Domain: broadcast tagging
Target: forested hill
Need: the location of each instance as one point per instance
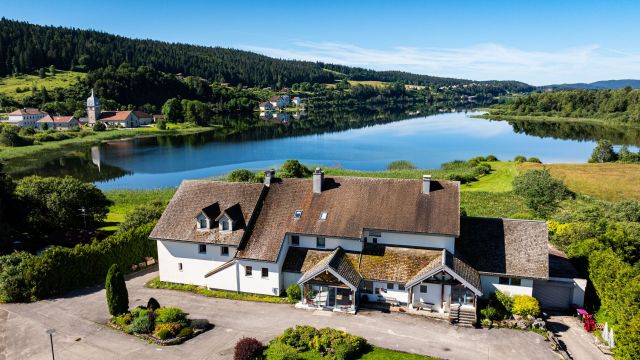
(25, 48)
(598, 85)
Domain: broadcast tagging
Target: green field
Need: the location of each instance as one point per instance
(124, 201)
(62, 79)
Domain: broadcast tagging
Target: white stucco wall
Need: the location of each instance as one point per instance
(395, 293)
(255, 283)
(492, 283)
(433, 295)
(194, 264)
(417, 240)
(330, 243)
(289, 278)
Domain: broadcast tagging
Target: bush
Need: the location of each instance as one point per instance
(27, 131)
(490, 313)
(161, 124)
(248, 349)
(163, 334)
(504, 300)
(492, 158)
(116, 288)
(520, 159)
(525, 305)
(325, 341)
(299, 337)
(201, 324)
(603, 152)
(185, 332)
(141, 325)
(59, 269)
(139, 311)
(534, 160)
(171, 314)
(294, 169)
(293, 293)
(153, 304)
(123, 320)
(99, 126)
(281, 351)
(541, 192)
(241, 175)
(14, 281)
(142, 214)
(400, 165)
(482, 169)
(172, 328)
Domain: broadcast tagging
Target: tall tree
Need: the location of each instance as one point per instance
(117, 294)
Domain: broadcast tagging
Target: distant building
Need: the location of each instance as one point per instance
(265, 106)
(143, 117)
(280, 100)
(297, 101)
(26, 117)
(157, 117)
(127, 119)
(59, 122)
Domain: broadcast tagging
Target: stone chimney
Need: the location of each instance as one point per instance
(318, 179)
(426, 184)
(268, 176)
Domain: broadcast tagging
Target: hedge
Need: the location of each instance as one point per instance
(59, 269)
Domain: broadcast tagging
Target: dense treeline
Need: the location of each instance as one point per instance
(620, 105)
(25, 48)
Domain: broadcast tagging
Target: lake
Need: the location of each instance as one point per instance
(371, 144)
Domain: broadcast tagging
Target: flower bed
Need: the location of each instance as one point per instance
(163, 325)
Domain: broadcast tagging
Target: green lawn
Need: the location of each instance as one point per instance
(62, 79)
(498, 181)
(126, 200)
(155, 283)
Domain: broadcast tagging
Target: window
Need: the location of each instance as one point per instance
(202, 248)
(375, 233)
(375, 241)
(423, 289)
(295, 240)
(225, 224)
(515, 281)
(320, 242)
(510, 281)
(401, 287)
(224, 250)
(365, 239)
(368, 286)
(390, 286)
(179, 266)
(248, 271)
(265, 272)
(297, 215)
(202, 222)
(323, 215)
(504, 281)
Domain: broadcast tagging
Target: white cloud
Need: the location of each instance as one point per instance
(479, 62)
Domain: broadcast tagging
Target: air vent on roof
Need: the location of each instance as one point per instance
(297, 215)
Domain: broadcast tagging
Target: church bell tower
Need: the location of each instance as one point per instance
(93, 108)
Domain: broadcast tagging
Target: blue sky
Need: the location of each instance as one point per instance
(539, 42)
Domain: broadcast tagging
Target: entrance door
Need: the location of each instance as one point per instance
(464, 295)
(331, 300)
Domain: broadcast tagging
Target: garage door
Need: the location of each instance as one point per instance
(553, 295)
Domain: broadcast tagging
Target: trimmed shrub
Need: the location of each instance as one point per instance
(153, 304)
(525, 305)
(281, 351)
(141, 325)
(248, 349)
(185, 332)
(116, 288)
(293, 293)
(171, 314)
(400, 165)
(519, 159)
(241, 175)
(163, 334)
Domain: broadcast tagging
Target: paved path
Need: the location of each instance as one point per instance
(80, 332)
(579, 344)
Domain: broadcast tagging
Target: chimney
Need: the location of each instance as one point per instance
(268, 177)
(426, 184)
(318, 179)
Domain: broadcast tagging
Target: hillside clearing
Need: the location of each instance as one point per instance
(62, 79)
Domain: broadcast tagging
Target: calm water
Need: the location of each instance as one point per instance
(427, 141)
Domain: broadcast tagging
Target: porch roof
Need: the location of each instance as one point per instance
(338, 263)
(455, 267)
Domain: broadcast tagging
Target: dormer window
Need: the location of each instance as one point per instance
(297, 214)
(202, 222)
(225, 224)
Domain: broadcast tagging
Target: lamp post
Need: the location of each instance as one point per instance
(50, 332)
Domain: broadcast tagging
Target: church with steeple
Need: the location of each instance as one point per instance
(115, 119)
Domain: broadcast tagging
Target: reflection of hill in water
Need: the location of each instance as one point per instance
(578, 131)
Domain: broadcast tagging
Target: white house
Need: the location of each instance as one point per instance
(278, 101)
(265, 106)
(297, 101)
(26, 117)
(143, 117)
(59, 122)
(347, 240)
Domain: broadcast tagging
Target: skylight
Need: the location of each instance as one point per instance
(323, 215)
(297, 215)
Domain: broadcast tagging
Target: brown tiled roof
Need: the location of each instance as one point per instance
(142, 115)
(56, 119)
(265, 103)
(560, 266)
(339, 262)
(352, 204)
(27, 111)
(503, 246)
(178, 222)
(114, 115)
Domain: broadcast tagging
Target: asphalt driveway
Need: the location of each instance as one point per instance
(81, 334)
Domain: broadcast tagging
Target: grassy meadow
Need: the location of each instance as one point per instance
(19, 86)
